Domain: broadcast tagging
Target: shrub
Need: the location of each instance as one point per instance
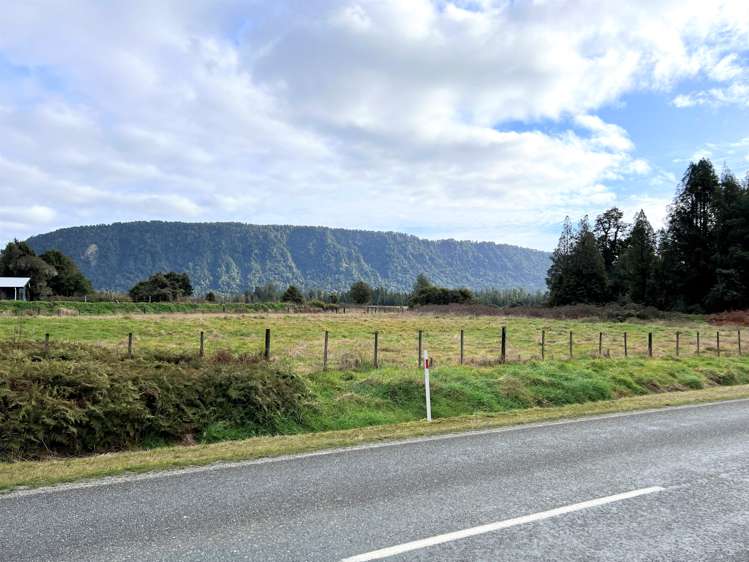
(76, 407)
(360, 292)
(293, 294)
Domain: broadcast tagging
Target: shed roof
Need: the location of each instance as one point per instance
(14, 282)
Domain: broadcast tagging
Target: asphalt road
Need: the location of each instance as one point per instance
(688, 469)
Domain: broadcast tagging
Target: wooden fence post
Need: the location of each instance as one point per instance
(600, 344)
(698, 342)
(130, 345)
(677, 343)
(325, 353)
(46, 345)
(376, 345)
(717, 343)
(503, 346)
(461, 346)
(626, 350)
(266, 354)
(650, 344)
(543, 345)
(421, 354)
(738, 339)
(571, 354)
(202, 343)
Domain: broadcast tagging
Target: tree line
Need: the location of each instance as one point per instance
(51, 273)
(698, 262)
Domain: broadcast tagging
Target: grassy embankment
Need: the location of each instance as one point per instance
(352, 402)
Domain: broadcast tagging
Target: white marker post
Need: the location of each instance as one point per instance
(426, 386)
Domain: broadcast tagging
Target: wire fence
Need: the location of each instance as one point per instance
(394, 348)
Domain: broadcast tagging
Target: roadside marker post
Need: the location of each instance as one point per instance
(420, 347)
(376, 350)
(461, 346)
(426, 386)
(325, 353)
(503, 345)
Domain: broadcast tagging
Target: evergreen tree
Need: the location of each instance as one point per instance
(639, 261)
(587, 281)
(730, 260)
(68, 281)
(361, 293)
(691, 231)
(19, 260)
(293, 294)
(422, 282)
(162, 287)
(560, 265)
(610, 232)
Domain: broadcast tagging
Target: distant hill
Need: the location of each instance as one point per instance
(232, 257)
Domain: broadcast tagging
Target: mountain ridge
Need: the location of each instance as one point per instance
(231, 257)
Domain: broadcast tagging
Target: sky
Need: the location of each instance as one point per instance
(476, 120)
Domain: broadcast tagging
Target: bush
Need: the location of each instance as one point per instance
(84, 406)
(293, 294)
(360, 292)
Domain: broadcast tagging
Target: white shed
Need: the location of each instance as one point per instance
(19, 286)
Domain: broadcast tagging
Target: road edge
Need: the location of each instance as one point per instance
(31, 476)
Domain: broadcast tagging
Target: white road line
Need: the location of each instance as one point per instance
(472, 532)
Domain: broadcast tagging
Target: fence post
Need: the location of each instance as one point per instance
(738, 339)
(266, 354)
(325, 353)
(46, 345)
(543, 345)
(571, 344)
(503, 346)
(420, 348)
(130, 345)
(376, 345)
(717, 343)
(677, 343)
(626, 350)
(650, 344)
(600, 344)
(461, 346)
(202, 343)
(698, 342)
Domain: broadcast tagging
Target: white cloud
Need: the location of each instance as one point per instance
(373, 114)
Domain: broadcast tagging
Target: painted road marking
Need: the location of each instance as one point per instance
(472, 532)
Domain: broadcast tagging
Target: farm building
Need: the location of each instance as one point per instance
(15, 288)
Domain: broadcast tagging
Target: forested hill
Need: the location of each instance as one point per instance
(232, 257)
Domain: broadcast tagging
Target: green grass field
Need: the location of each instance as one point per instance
(297, 339)
(352, 395)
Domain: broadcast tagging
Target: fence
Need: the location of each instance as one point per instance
(608, 346)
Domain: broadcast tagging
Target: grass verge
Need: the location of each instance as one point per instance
(40, 473)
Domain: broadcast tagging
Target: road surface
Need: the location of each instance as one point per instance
(665, 485)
